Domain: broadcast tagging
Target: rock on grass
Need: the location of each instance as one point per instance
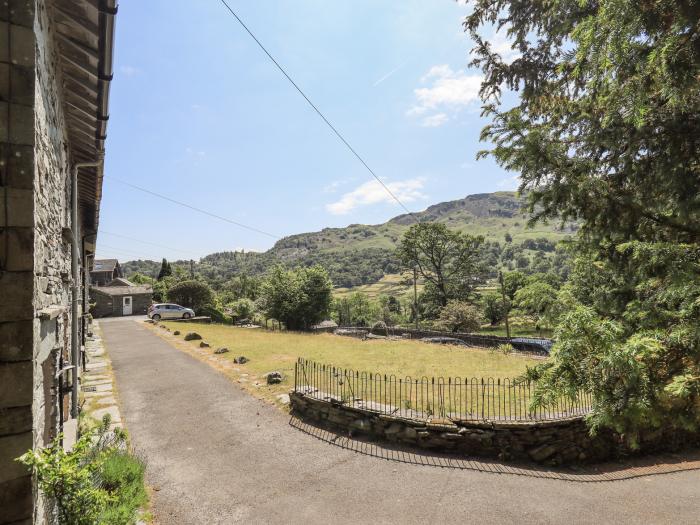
(274, 378)
(192, 336)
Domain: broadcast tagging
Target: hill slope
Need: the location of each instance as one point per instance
(363, 254)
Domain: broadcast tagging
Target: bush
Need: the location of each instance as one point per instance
(98, 481)
(459, 316)
(505, 348)
(216, 315)
(122, 476)
(192, 294)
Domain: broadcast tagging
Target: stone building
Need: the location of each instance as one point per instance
(104, 271)
(120, 297)
(55, 72)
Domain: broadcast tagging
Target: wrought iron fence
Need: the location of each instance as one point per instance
(454, 398)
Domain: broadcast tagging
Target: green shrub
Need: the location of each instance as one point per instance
(216, 315)
(122, 476)
(98, 481)
(505, 348)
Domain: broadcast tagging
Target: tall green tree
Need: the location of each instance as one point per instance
(299, 298)
(606, 132)
(448, 261)
(165, 270)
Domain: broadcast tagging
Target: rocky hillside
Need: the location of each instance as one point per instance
(362, 254)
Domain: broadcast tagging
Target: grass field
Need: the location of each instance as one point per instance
(278, 351)
(390, 284)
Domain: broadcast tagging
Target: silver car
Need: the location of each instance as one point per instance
(169, 311)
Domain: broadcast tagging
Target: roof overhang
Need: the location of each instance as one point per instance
(85, 43)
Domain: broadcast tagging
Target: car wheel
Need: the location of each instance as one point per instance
(186, 315)
(156, 317)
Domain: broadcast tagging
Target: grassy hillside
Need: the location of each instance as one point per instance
(361, 254)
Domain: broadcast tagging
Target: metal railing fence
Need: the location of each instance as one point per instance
(454, 398)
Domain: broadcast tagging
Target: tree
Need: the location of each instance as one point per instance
(459, 316)
(242, 308)
(299, 298)
(139, 278)
(447, 260)
(165, 270)
(605, 133)
(512, 282)
(535, 300)
(494, 309)
(192, 294)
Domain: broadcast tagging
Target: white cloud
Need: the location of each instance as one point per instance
(128, 71)
(333, 186)
(433, 121)
(511, 183)
(372, 192)
(501, 45)
(446, 94)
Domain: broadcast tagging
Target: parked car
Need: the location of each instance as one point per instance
(169, 311)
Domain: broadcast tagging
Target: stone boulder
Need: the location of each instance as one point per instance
(222, 350)
(241, 360)
(273, 378)
(192, 336)
(176, 332)
(204, 344)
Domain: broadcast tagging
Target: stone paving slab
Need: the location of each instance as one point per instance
(99, 396)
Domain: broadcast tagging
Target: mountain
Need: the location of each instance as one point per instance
(363, 254)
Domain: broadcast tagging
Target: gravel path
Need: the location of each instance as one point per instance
(216, 455)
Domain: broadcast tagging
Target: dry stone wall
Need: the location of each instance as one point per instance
(561, 442)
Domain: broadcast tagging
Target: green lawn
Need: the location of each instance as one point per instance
(269, 351)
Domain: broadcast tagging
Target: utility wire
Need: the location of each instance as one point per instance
(146, 242)
(127, 252)
(318, 111)
(160, 196)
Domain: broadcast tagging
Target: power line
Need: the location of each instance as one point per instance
(318, 111)
(132, 253)
(169, 199)
(147, 242)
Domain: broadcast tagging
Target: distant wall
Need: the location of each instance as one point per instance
(486, 341)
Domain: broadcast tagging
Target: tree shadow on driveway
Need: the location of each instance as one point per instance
(611, 471)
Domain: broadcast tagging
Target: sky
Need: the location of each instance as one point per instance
(199, 114)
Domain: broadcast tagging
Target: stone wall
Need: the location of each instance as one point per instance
(106, 305)
(561, 442)
(34, 251)
(536, 346)
(548, 442)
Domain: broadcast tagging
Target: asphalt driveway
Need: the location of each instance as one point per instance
(216, 455)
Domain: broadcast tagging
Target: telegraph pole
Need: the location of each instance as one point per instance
(505, 303)
(191, 269)
(415, 296)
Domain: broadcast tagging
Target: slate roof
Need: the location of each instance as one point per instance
(122, 290)
(120, 281)
(104, 265)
